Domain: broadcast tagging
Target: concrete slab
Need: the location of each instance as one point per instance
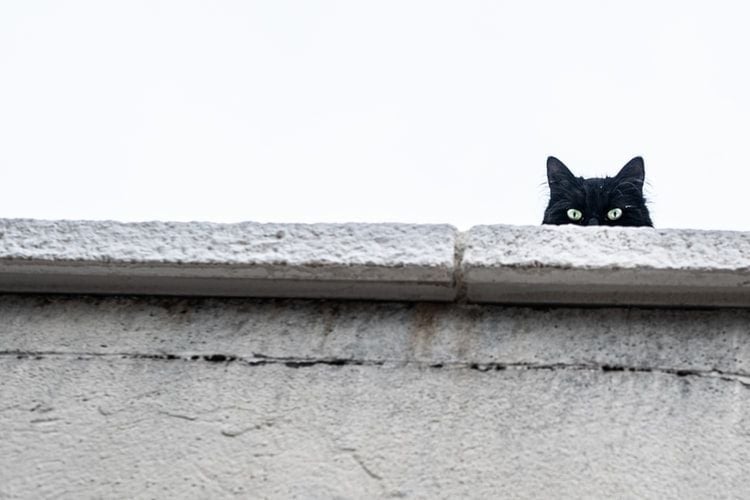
(379, 261)
(489, 264)
(613, 266)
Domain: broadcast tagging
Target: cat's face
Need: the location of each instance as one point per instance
(611, 201)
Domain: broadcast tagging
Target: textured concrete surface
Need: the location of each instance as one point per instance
(608, 248)
(166, 397)
(382, 261)
(103, 428)
(112, 397)
(496, 264)
(600, 265)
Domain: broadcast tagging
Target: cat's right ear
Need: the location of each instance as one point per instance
(633, 172)
(558, 173)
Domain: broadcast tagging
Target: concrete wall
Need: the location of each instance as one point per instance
(148, 396)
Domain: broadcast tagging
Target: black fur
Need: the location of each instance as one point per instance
(596, 197)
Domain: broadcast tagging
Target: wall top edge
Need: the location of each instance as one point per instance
(244, 243)
(606, 248)
(504, 263)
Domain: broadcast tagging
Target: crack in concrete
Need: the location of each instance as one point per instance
(45, 420)
(740, 377)
(352, 452)
(254, 360)
(367, 470)
(178, 416)
(245, 430)
(258, 359)
(459, 283)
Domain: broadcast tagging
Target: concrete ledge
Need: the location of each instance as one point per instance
(496, 264)
(606, 266)
(366, 261)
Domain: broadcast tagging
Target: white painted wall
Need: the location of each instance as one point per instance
(221, 398)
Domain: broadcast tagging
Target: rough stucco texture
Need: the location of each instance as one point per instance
(221, 398)
(607, 247)
(496, 264)
(606, 265)
(380, 261)
(384, 245)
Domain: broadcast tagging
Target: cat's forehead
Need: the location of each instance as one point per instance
(598, 182)
(598, 193)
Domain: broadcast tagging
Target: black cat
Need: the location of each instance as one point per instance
(611, 201)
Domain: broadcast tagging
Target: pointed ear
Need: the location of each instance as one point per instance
(557, 172)
(633, 172)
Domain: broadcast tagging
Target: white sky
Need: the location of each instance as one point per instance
(412, 111)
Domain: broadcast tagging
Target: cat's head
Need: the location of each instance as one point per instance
(608, 201)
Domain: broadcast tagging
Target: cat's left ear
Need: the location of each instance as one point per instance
(633, 172)
(558, 173)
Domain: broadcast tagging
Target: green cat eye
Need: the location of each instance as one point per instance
(614, 214)
(575, 215)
